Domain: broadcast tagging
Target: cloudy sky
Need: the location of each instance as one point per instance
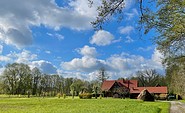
(56, 36)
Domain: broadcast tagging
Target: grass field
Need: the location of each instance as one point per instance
(183, 101)
(56, 105)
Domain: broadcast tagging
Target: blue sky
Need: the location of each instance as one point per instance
(57, 37)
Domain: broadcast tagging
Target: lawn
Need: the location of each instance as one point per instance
(183, 101)
(56, 105)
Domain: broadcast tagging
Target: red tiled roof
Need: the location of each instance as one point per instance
(127, 83)
(132, 85)
(107, 85)
(162, 89)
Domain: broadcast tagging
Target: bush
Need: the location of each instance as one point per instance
(85, 96)
(161, 97)
(64, 96)
(100, 96)
(58, 95)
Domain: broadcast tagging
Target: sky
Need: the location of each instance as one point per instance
(56, 36)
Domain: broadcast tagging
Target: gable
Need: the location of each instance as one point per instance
(106, 86)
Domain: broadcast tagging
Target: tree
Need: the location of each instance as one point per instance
(175, 75)
(148, 78)
(95, 90)
(72, 88)
(36, 74)
(96, 87)
(101, 76)
(79, 86)
(167, 19)
(67, 84)
(17, 78)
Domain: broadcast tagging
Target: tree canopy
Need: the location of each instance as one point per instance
(167, 18)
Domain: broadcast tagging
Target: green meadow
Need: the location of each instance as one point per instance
(69, 105)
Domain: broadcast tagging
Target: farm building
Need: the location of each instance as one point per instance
(122, 88)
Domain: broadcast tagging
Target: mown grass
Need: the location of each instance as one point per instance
(183, 101)
(56, 105)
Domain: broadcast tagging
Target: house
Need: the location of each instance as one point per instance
(122, 88)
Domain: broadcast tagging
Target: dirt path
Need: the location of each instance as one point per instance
(177, 107)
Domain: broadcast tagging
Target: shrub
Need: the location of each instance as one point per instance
(85, 96)
(161, 97)
(58, 95)
(100, 96)
(64, 96)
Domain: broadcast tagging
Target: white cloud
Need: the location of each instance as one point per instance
(4, 58)
(1, 69)
(59, 36)
(118, 65)
(48, 52)
(29, 58)
(126, 30)
(56, 35)
(85, 64)
(157, 57)
(82, 7)
(25, 57)
(102, 38)
(131, 15)
(129, 4)
(129, 39)
(45, 66)
(1, 49)
(146, 48)
(118, 40)
(20, 38)
(16, 18)
(88, 51)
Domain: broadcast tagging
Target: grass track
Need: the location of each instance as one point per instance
(55, 105)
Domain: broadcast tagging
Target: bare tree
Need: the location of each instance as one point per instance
(148, 77)
(101, 76)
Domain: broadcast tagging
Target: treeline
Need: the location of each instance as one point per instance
(18, 78)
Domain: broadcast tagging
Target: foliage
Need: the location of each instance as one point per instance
(59, 95)
(72, 87)
(149, 77)
(161, 97)
(85, 96)
(167, 19)
(176, 77)
(19, 79)
(49, 105)
(78, 86)
(101, 76)
(36, 76)
(64, 96)
(106, 10)
(95, 90)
